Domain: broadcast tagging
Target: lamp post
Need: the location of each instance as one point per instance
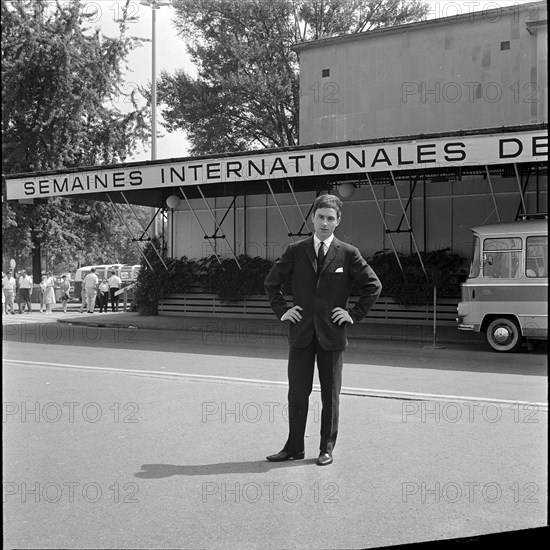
(154, 5)
(173, 201)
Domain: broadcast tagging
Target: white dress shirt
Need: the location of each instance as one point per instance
(326, 244)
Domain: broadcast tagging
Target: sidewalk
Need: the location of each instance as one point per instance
(243, 325)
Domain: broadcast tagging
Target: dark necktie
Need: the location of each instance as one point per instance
(320, 258)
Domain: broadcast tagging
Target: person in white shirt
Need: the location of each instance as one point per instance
(25, 287)
(91, 283)
(114, 285)
(103, 296)
(8, 289)
(3, 295)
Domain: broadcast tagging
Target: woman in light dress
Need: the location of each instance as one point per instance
(49, 291)
(42, 286)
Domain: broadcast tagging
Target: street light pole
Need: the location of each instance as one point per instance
(154, 5)
(154, 86)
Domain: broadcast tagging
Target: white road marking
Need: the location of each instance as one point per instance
(360, 392)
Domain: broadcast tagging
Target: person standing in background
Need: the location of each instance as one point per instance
(49, 292)
(83, 297)
(42, 286)
(3, 295)
(91, 282)
(103, 296)
(25, 288)
(8, 289)
(114, 286)
(65, 287)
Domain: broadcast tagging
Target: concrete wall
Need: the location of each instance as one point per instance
(480, 71)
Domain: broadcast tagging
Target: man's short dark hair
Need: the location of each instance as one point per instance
(92, 270)
(328, 201)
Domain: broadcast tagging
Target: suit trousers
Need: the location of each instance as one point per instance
(301, 366)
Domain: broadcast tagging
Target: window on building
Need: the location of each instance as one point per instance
(505, 45)
(536, 258)
(502, 258)
(325, 73)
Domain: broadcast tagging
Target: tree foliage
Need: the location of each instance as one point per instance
(246, 92)
(60, 81)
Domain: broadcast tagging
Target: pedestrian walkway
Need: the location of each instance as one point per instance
(370, 329)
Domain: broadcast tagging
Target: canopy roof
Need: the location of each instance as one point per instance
(302, 168)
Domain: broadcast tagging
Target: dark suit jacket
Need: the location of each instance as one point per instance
(343, 267)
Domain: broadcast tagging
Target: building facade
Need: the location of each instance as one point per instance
(482, 70)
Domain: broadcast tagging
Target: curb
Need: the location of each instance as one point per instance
(233, 328)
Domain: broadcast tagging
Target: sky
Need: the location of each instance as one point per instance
(172, 54)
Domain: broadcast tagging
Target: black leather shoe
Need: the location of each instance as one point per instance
(324, 459)
(285, 455)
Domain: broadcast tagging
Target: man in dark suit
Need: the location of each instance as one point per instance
(322, 271)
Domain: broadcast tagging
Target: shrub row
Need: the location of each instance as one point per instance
(232, 282)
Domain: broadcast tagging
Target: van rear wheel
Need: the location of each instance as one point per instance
(504, 335)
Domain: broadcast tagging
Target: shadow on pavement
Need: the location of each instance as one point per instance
(157, 471)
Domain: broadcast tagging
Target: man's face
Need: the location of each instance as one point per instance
(325, 221)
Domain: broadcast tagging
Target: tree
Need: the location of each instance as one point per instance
(246, 93)
(60, 82)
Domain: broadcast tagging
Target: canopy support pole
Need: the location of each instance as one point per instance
(129, 231)
(145, 231)
(200, 224)
(492, 192)
(409, 224)
(218, 227)
(290, 234)
(388, 232)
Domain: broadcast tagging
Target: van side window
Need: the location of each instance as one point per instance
(502, 258)
(536, 259)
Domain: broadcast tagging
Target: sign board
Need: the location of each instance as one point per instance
(469, 150)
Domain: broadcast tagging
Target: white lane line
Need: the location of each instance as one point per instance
(360, 392)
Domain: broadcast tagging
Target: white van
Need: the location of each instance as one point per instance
(127, 273)
(506, 293)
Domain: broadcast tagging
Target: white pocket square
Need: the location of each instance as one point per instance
(339, 270)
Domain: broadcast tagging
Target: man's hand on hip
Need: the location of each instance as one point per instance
(340, 316)
(293, 314)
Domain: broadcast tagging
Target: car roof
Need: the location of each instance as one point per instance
(522, 227)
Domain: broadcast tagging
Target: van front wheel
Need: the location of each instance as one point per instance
(504, 335)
